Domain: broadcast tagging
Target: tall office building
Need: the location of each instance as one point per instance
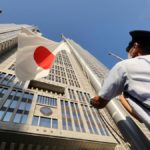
(53, 113)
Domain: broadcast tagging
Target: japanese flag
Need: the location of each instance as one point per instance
(35, 55)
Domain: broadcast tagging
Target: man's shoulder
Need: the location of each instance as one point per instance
(137, 59)
(124, 65)
(124, 62)
(131, 64)
(132, 60)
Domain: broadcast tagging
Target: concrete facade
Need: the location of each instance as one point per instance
(52, 112)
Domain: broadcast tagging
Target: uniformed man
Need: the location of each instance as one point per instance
(132, 78)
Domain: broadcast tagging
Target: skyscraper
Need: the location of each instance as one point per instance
(53, 113)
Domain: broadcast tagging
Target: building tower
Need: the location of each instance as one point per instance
(53, 113)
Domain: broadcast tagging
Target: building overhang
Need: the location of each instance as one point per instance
(46, 87)
(42, 142)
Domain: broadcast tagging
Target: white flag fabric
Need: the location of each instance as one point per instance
(35, 55)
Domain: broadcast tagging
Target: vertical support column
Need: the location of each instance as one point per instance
(60, 127)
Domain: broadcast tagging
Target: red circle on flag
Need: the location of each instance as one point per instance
(43, 57)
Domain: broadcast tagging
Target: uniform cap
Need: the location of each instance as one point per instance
(141, 37)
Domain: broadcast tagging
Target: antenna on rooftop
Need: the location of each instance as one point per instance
(63, 37)
(116, 56)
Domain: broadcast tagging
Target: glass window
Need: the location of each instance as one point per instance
(2, 75)
(70, 94)
(38, 98)
(74, 97)
(4, 91)
(54, 123)
(7, 116)
(18, 84)
(68, 116)
(91, 120)
(80, 119)
(30, 96)
(25, 95)
(100, 123)
(13, 104)
(87, 98)
(64, 123)
(47, 100)
(28, 106)
(35, 120)
(13, 93)
(22, 84)
(24, 118)
(55, 102)
(7, 103)
(45, 122)
(16, 98)
(6, 79)
(75, 117)
(10, 81)
(19, 94)
(82, 96)
(63, 116)
(87, 120)
(79, 96)
(1, 114)
(17, 118)
(22, 105)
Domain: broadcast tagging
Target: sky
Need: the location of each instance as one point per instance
(99, 26)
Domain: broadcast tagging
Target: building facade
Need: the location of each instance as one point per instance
(53, 113)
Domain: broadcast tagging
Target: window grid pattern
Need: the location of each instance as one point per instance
(2, 74)
(77, 118)
(71, 94)
(62, 70)
(16, 107)
(89, 120)
(97, 67)
(83, 97)
(64, 121)
(66, 116)
(57, 74)
(3, 91)
(45, 122)
(8, 80)
(79, 96)
(87, 97)
(102, 128)
(46, 100)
